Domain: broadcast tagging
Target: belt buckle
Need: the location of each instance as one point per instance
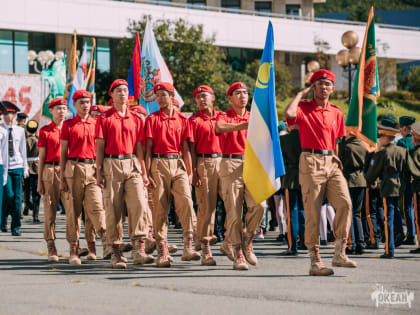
(214, 155)
(120, 156)
(324, 152)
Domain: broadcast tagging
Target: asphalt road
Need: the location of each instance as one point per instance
(29, 284)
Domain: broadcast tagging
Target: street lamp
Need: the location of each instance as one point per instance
(44, 58)
(349, 58)
(312, 67)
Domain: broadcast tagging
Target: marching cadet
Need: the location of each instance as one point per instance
(291, 149)
(206, 157)
(4, 163)
(321, 124)
(17, 168)
(121, 174)
(49, 171)
(168, 163)
(388, 165)
(33, 161)
(406, 192)
(354, 157)
(78, 178)
(232, 126)
(415, 155)
(21, 120)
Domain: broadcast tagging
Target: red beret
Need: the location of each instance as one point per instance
(81, 94)
(203, 88)
(57, 101)
(139, 109)
(100, 108)
(116, 83)
(176, 103)
(323, 74)
(164, 86)
(234, 86)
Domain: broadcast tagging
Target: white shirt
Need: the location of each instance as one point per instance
(19, 159)
(4, 157)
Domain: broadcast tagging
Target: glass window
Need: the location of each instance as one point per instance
(263, 6)
(293, 9)
(197, 3)
(6, 51)
(43, 41)
(231, 4)
(103, 55)
(21, 50)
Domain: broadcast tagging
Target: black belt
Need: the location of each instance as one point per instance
(120, 156)
(234, 156)
(391, 175)
(213, 155)
(166, 156)
(87, 161)
(323, 152)
(52, 163)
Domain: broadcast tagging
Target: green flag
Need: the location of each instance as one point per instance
(56, 78)
(361, 118)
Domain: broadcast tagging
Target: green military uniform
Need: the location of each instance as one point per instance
(291, 150)
(354, 158)
(415, 159)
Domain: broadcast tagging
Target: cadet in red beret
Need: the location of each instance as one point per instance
(120, 171)
(168, 163)
(206, 156)
(232, 125)
(320, 125)
(78, 178)
(49, 171)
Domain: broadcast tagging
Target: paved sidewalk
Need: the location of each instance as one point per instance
(31, 285)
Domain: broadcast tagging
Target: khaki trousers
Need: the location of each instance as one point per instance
(170, 176)
(82, 192)
(321, 175)
(124, 188)
(233, 194)
(208, 171)
(149, 215)
(51, 181)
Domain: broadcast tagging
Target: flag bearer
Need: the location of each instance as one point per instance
(232, 126)
(168, 162)
(206, 156)
(49, 171)
(120, 171)
(321, 124)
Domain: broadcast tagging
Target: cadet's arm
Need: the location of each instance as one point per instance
(64, 145)
(140, 157)
(42, 155)
(374, 170)
(186, 156)
(290, 111)
(100, 151)
(222, 127)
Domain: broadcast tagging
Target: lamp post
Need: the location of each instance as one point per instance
(312, 67)
(349, 58)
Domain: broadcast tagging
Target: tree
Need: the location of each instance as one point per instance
(192, 59)
(414, 79)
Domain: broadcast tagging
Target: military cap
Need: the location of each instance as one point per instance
(164, 86)
(323, 74)
(116, 83)
(10, 107)
(388, 126)
(407, 120)
(81, 94)
(415, 128)
(2, 108)
(235, 86)
(22, 116)
(57, 101)
(100, 108)
(203, 88)
(32, 126)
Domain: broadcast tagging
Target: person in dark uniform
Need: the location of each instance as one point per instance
(415, 156)
(290, 146)
(406, 192)
(354, 157)
(388, 164)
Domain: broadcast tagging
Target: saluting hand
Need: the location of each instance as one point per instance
(305, 91)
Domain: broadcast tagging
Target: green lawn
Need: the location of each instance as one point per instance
(397, 108)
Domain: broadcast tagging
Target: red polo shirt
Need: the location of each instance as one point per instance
(49, 138)
(80, 136)
(121, 133)
(233, 142)
(319, 128)
(204, 132)
(168, 133)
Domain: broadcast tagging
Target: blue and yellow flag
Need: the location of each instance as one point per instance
(263, 163)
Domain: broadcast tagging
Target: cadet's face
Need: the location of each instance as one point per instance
(120, 94)
(239, 98)
(59, 112)
(204, 100)
(404, 131)
(9, 117)
(323, 88)
(164, 99)
(82, 105)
